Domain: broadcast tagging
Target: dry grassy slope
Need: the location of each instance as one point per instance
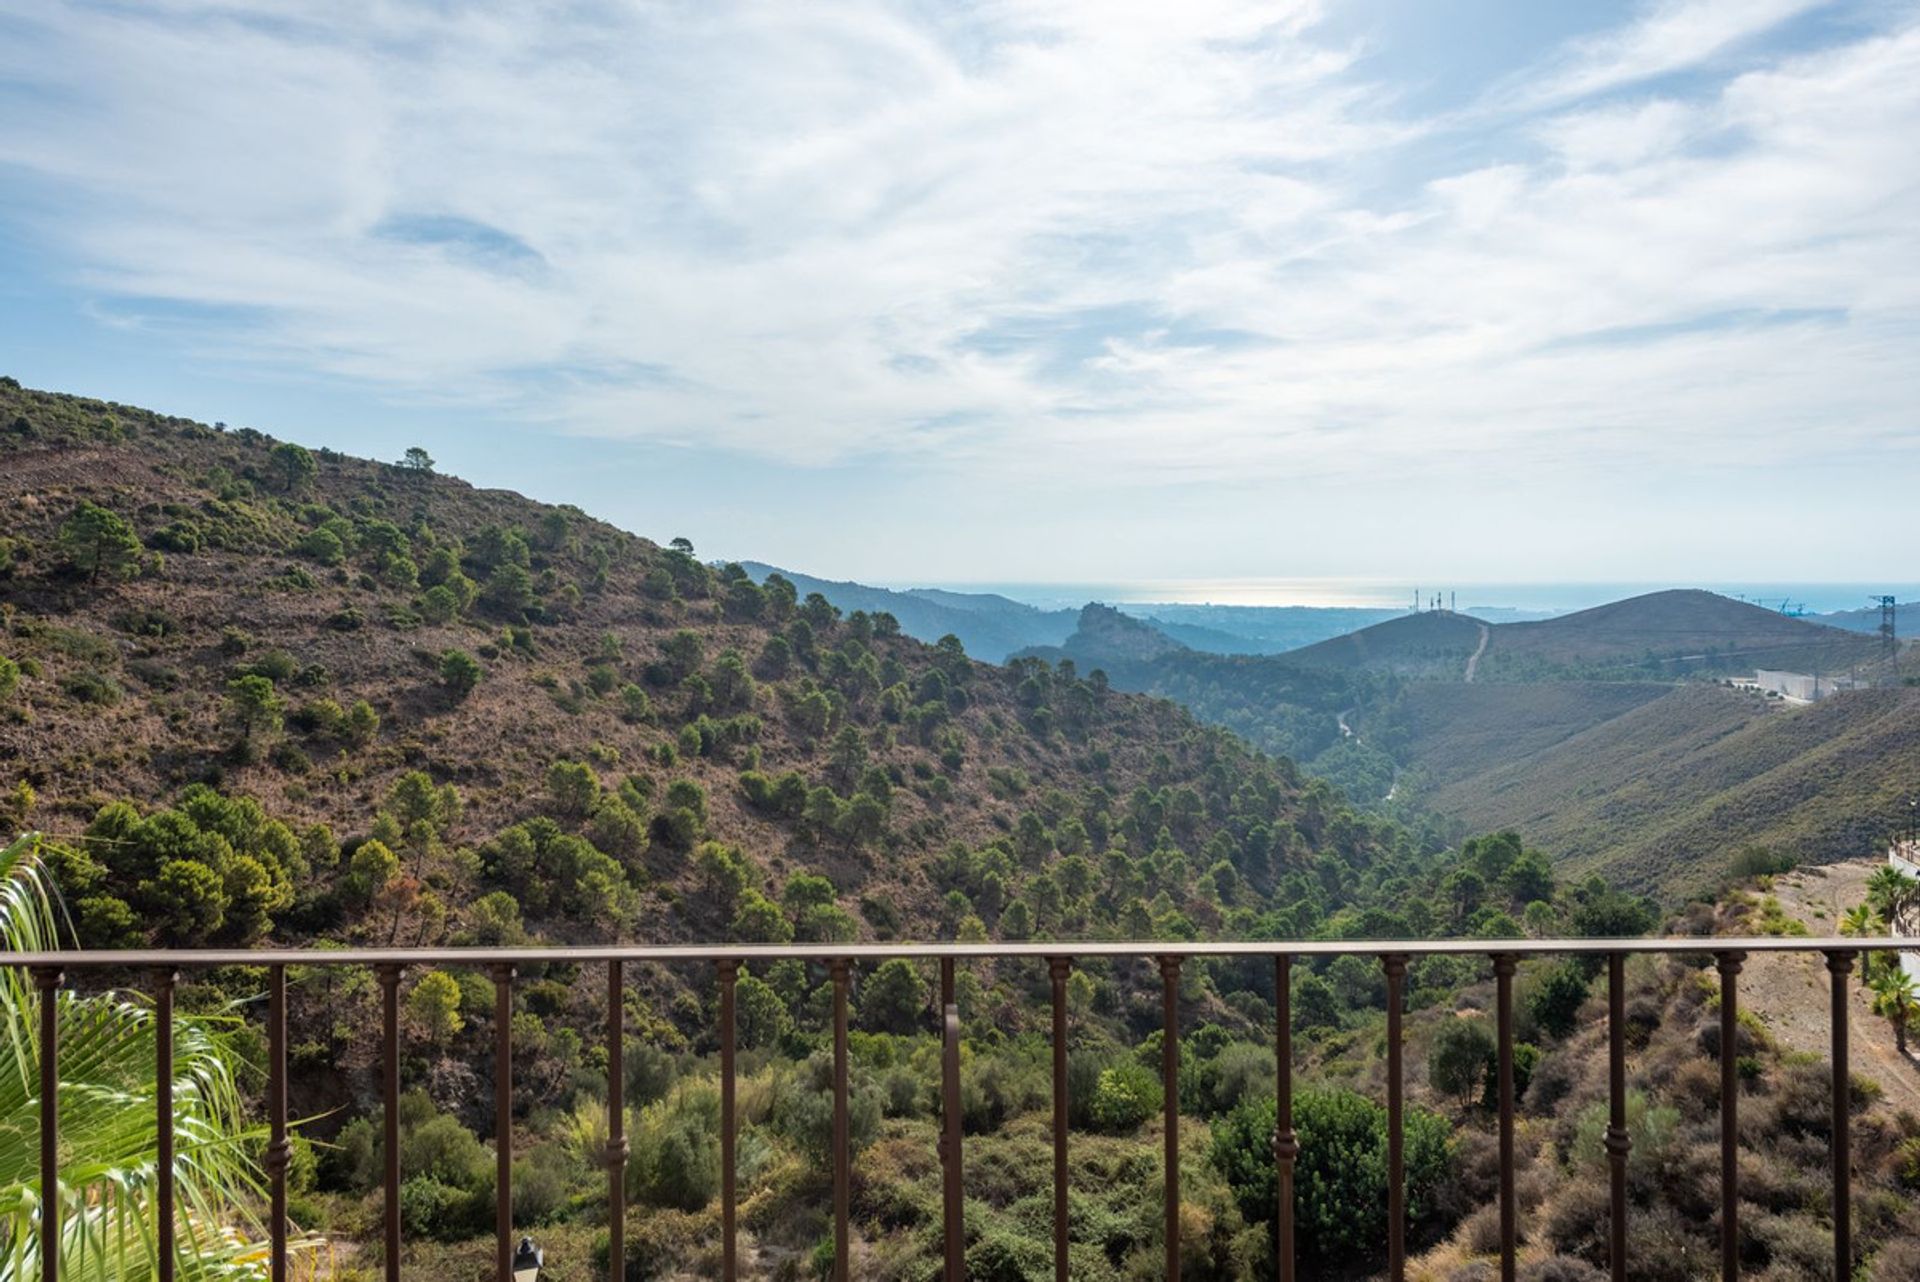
(495, 745)
(1430, 644)
(1662, 795)
(1454, 731)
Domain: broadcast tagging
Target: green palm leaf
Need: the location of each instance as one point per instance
(109, 1134)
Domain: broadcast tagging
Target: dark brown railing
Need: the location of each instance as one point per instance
(50, 969)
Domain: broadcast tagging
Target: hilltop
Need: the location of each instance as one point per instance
(1867, 618)
(1659, 636)
(1678, 631)
(1435, 643)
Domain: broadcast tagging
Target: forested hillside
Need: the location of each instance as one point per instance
(492, 695)
(259, 693)
(1276, 704)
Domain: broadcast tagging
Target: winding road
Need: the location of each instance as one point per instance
(1473, 661)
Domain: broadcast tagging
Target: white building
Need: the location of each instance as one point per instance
(1801, 687)
(1904, 855)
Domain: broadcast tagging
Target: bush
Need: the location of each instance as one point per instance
(894, 998)
(1125, 1096)
(460, 672)
(430, 1209)
(1457, 1060)
(1556, 997)
(1340, 1183)
(97, 541)
(676, 1150)
(574, 787)
(93, 687)
(322, 545)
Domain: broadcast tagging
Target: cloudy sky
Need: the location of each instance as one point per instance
(1089, 289)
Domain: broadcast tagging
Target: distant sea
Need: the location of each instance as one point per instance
(1552, 598)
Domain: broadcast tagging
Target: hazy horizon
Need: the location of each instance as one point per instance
(1494, 291)
(1338, 593)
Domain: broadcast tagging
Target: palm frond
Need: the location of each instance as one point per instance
(109, 1131)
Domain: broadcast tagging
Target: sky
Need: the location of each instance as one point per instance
(1102, 290)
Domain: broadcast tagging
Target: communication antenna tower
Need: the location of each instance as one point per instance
(1889, 633)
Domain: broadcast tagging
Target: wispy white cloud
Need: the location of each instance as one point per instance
(1668, 36)
(1136, 242)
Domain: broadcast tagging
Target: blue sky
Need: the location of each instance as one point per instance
(1087, 290)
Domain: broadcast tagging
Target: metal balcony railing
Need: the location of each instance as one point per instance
(50, 969)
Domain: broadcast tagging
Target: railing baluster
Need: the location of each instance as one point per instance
(48, 972)
(279, 1153)
(163, 981)
(1057, 970)
(1170, 1086)
(389, 976)
(1617, 1142)
(47, 980)
(1395, 965)
(729, 973)
(842, 1157)
(1839, 965)
(955, 1196)
(502, 973)
(1286, 1144)
(1503, 967)
(617, 1149)
(1729, 963)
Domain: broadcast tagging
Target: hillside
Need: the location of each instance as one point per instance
(991, 627)
(1664, 794)
(1255, 629)
(1452, 731)
(282, 633)
(1274, 703)
(1658, 636)
(1672, 634)
(1435, 643)
(1867, 619)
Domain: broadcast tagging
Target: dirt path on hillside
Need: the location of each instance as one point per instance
(1789, 991)
(1473, 660)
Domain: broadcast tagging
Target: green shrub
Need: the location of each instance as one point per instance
(460, 672)
(97, 541)
(1340, 1182)
(1556, 995)
(1457, 1060)
(275, 665)
(1124, 1098)
(676, 1149)
(89, 686)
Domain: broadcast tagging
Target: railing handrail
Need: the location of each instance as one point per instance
(1706, 945)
